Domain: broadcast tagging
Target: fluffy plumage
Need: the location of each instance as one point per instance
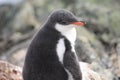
(44, 60)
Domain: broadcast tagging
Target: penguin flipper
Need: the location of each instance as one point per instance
(72, 65)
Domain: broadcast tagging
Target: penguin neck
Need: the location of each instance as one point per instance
(67, 31)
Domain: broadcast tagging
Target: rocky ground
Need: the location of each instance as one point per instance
(9, 71)
(12, 72)
(98, 43)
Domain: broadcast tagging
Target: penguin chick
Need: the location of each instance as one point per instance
(51, 54)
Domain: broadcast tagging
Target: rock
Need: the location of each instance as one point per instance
(104, 72)
(118, 57)
(6, 11)
(84, 51)
(88, 73)
(18, 21)
(25, 18)
(12, 72)
(88, 44)
(90, 50)
(9, 71)
(16, 54)
(17, 17)
(102, 21)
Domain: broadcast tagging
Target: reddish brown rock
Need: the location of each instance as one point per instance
(12, 72)
(9, 71)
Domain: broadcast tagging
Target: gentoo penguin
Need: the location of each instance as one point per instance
(51, 54)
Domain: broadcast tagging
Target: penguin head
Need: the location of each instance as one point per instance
(64, 17)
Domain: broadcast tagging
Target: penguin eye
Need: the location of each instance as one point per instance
(64, 22)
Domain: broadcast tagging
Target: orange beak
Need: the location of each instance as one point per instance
(80, 23)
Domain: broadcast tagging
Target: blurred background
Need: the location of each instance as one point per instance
(98, 43)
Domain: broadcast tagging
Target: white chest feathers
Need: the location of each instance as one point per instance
(70, 33)
(60, 49)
